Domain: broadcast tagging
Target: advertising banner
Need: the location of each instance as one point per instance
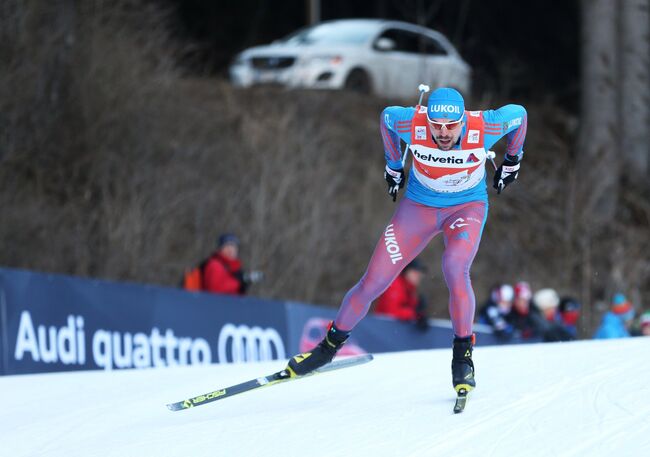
(307, 326)
(54, 323)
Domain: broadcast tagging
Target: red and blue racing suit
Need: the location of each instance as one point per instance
(446, 193)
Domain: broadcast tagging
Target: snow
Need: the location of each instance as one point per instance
(586, 398)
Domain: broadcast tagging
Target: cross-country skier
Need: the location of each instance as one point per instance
(446, 193)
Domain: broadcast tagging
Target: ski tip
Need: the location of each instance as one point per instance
(178, 406)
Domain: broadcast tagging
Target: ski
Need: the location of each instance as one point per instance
(265, 381)
(461, 400)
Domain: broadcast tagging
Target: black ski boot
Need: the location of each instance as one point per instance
(462, 367)
(322, 354)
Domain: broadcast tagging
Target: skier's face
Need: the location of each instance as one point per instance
(445, 132)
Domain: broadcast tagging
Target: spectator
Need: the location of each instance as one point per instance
(570, 313)
(495, 310)
(636, 327)
(222, 271)
(644, 322)
(616, 322)
(401, 300)
(525, 319)
(548, 302)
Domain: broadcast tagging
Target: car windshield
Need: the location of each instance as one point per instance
(333, 33)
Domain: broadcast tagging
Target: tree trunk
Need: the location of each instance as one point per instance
(597, 155)
(635, 87)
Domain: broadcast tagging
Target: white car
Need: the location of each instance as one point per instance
(388, 58)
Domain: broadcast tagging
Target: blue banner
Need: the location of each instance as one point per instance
(55, 323)
(308, 324)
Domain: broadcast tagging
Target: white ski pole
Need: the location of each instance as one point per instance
(491, 155)
(423, 88)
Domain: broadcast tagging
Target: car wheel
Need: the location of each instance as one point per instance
(358, 81)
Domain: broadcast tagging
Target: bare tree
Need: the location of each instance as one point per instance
(597, 160)
(612, 147)
(635, 87)
(116, 166)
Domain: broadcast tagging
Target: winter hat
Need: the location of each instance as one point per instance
(620, 305)
(501, 293)
(546, 299)
(227, 238)
(446, 103)
(569, 304)
(522, 290)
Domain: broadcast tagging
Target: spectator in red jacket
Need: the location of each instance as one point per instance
(401, 300)
(223, 271)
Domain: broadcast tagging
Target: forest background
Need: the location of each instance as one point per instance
(124, 151)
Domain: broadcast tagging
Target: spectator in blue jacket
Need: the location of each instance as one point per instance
(617, 320)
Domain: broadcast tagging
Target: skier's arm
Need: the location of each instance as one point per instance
(395, 124)
(510, 121)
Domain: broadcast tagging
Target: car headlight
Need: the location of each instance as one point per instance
(323, 60)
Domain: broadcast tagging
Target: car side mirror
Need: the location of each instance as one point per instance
(385, 44)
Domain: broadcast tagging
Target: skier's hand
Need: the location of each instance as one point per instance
(506, 173)
(395, 180)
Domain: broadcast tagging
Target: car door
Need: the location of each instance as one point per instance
(403, 67)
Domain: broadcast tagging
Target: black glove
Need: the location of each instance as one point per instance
(506, 173)
(243, 284)
(422, 323)
(395, 180)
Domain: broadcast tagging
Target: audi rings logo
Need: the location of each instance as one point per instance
(249, 344)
